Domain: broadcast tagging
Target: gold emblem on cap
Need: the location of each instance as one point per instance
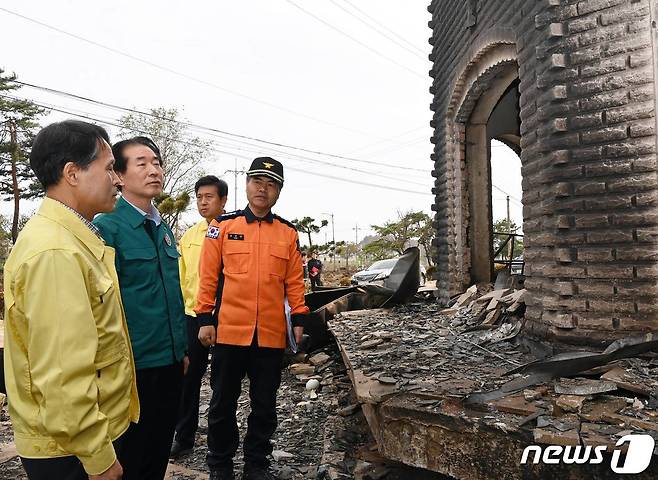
(268, 165)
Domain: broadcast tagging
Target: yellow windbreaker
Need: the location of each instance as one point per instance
(188, 263)
(69, 366)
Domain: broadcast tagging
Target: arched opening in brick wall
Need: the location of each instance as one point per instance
(483, 107)
(495, 116)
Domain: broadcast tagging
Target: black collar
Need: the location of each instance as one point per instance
(250, 217)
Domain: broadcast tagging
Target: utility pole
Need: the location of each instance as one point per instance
(509, 225)
(13, 134)
(356, 244)
(333, 236)
(235, 173)
(510, 245)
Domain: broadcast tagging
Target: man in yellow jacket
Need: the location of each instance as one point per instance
(68, 361)
(211, 195)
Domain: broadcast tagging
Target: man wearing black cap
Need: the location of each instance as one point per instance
(250, 263)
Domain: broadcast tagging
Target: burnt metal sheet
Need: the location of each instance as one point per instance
(405, 277)
(320, 298)
(569, 363)
(400, 287)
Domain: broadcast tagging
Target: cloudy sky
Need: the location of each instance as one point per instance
(346, 78)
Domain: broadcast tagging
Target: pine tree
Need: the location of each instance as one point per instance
(18, 125)
(307, 225)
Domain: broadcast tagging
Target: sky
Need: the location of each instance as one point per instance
(347, 78)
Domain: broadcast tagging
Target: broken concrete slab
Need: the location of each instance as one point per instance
(570, 403)
(7, 452)
(595, 434)
(279, 455)
(535, 393)
(550, 436)
(319, 359)
(301, 369)
(583, 386)
(598, 408)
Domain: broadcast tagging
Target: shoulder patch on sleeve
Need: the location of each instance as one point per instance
(229, 216)
(285, 222)
(213, 232)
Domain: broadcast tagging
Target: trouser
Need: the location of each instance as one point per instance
(229, 365)
(188, 415)
(146, 444)
(61, 468)
(315, 282)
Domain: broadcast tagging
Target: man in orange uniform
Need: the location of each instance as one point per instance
(250, 262)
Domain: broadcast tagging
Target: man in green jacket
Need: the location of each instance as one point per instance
(147, 264)
(69, 368)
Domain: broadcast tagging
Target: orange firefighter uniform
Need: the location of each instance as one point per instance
(247, 267)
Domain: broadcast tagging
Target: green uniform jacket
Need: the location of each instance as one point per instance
(150, 285)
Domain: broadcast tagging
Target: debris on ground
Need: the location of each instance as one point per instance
(321, 432)
(428, 378)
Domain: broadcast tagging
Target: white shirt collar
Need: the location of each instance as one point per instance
(153, 215)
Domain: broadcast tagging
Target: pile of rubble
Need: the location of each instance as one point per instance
(488, 307)
(417, 348)
(423, 373)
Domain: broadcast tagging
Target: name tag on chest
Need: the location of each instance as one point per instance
(236, 236)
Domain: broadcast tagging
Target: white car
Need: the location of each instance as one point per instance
(380, 271)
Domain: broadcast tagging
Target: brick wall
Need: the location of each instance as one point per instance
(587, 103)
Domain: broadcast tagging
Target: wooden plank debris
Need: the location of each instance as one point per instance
(516, 404)
(492, 317)
(466, 297)
(496, 294)
(630, 382)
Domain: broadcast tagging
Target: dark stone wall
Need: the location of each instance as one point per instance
(590, 180)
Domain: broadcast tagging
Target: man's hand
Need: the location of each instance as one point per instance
(207, 335)
(299, 332)
(186, 364)
(115, 472)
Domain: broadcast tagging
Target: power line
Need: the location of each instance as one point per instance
(508, 194)
(182, 74)
(303, 158)
(356, 40)
(383, 34)
(402, 146)
(210, 129)
(323, 175)
(390, 139)
(383, 26)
